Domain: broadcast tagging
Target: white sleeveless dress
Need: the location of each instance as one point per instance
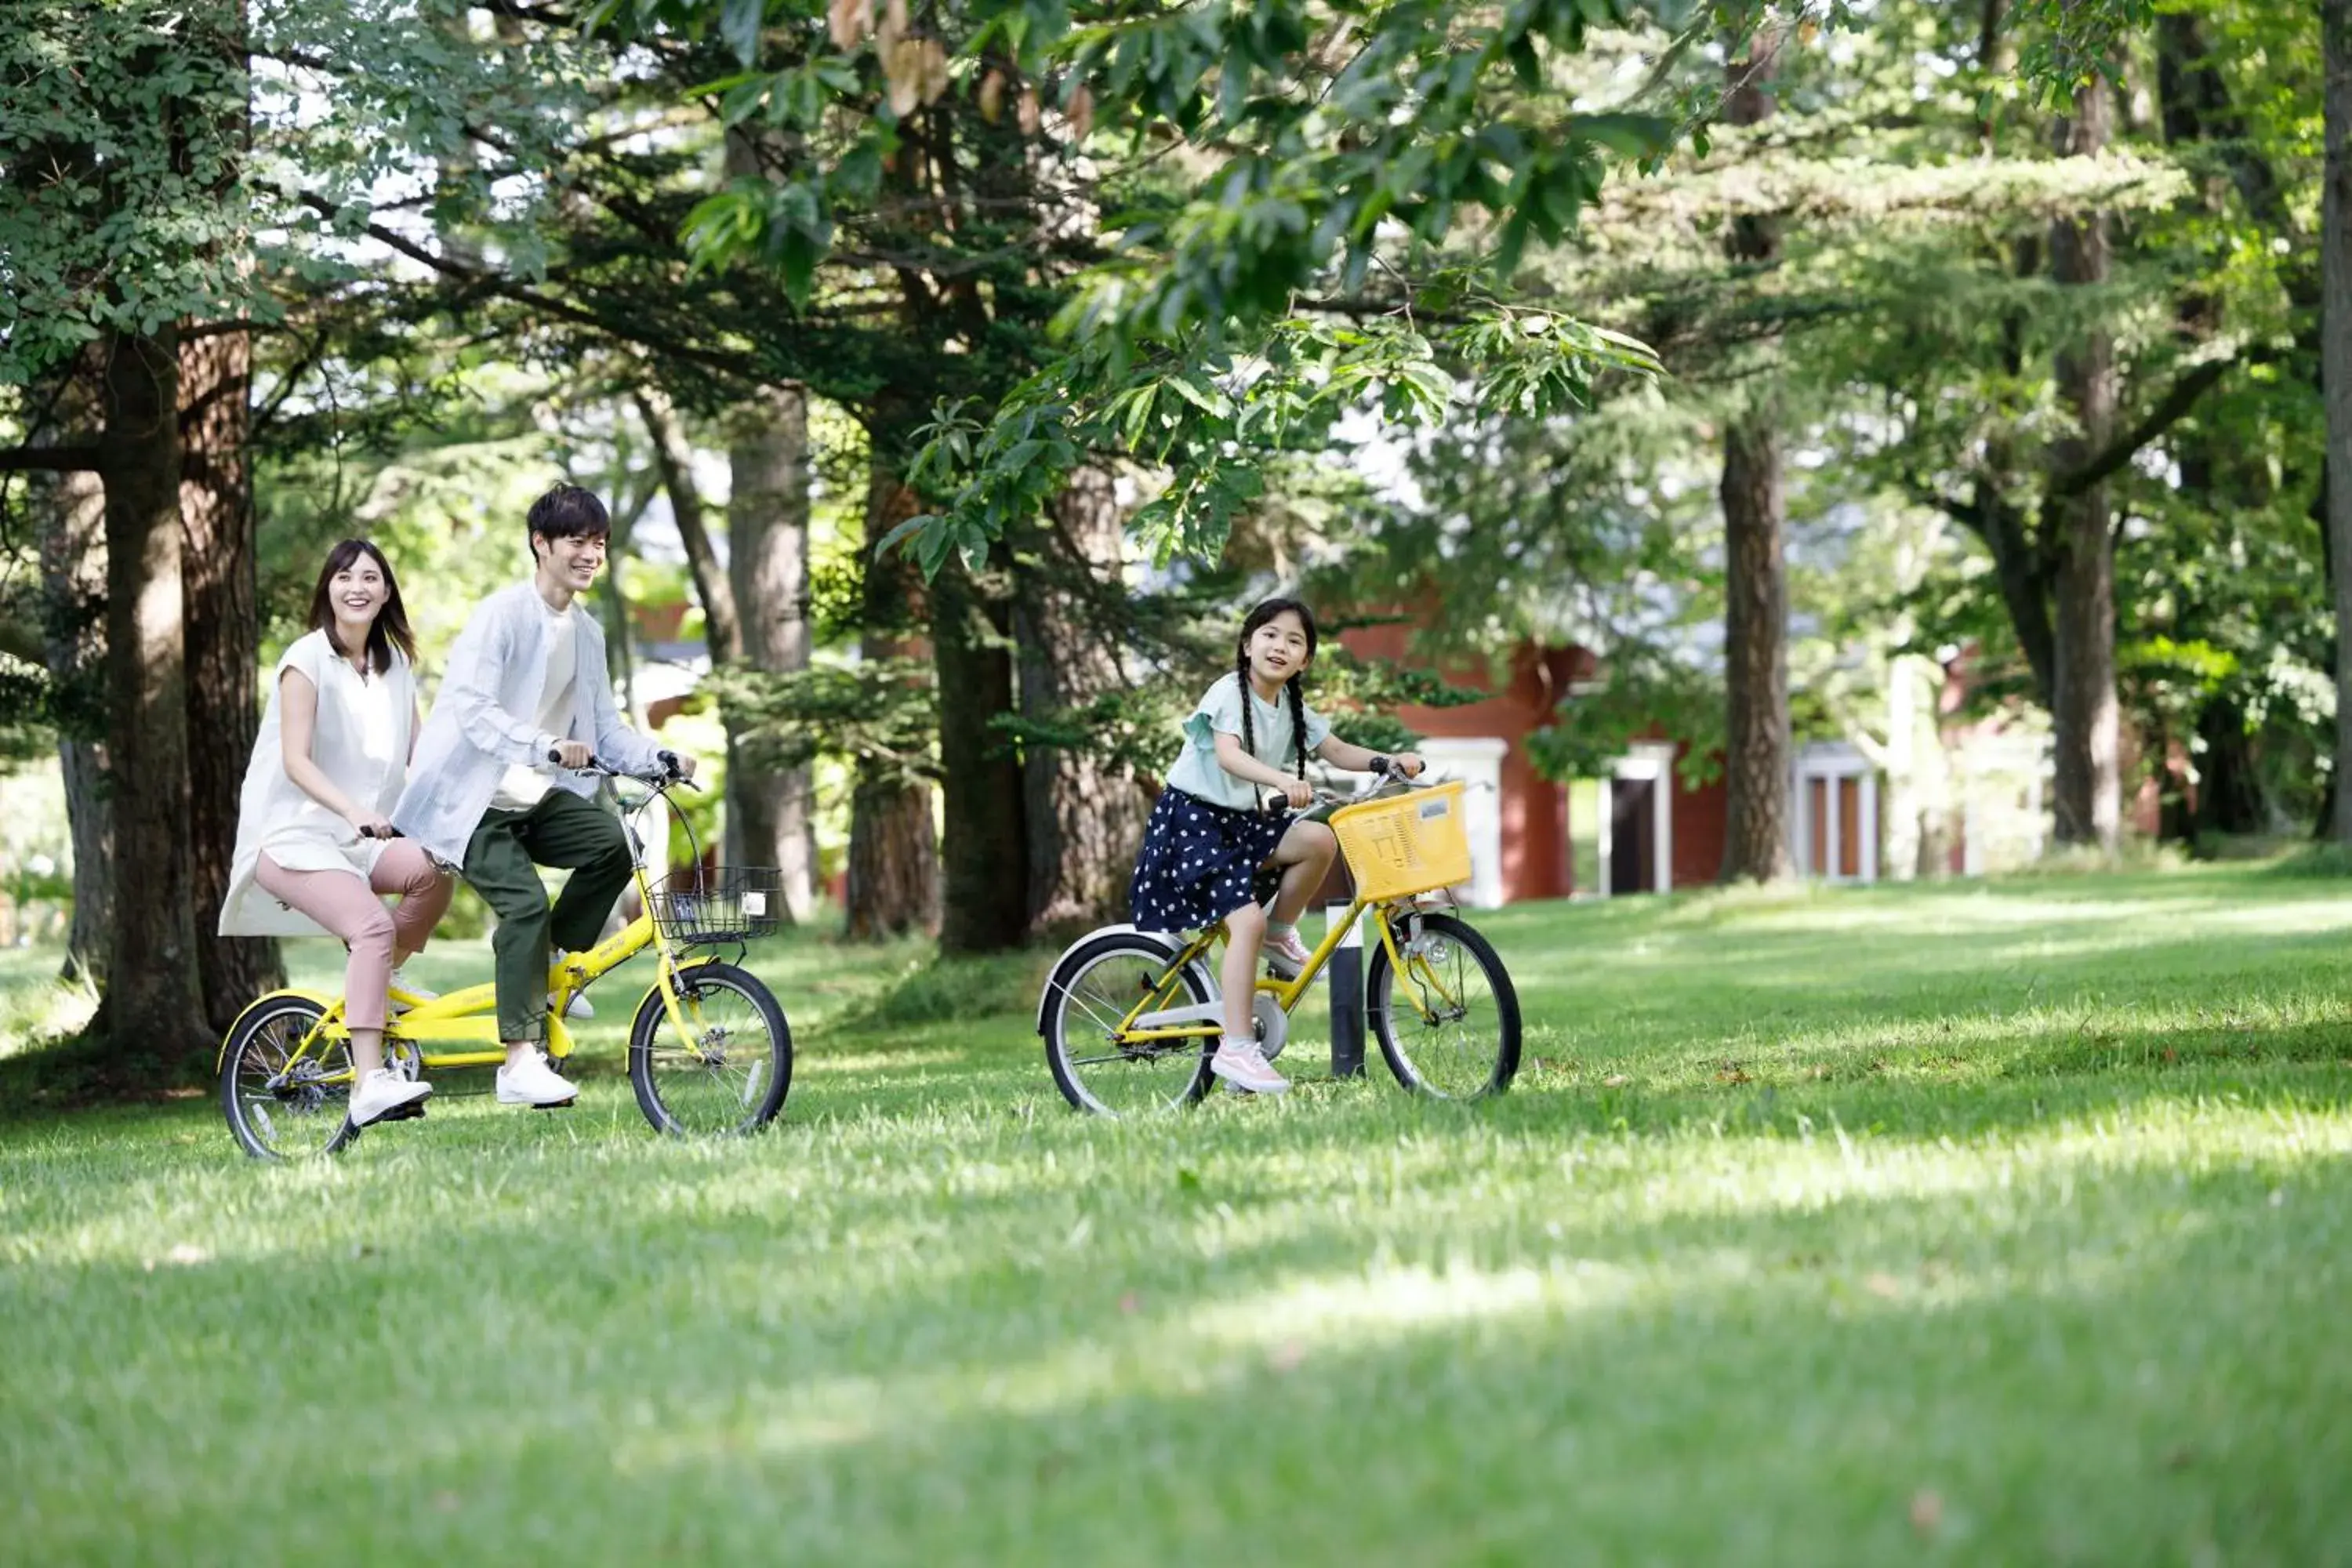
(361, 742)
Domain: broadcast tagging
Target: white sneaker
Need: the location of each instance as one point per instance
(531, 1081)
(383, 1093)
(1244, 1066)
(578, 1006)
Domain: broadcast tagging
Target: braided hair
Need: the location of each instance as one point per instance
(1294, 688)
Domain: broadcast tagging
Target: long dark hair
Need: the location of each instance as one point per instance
(1257, 617)
(391, 629)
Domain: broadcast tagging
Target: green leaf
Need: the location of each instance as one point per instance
(739, 23)
(912, 525)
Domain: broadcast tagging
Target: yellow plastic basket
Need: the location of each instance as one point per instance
(1407, 843)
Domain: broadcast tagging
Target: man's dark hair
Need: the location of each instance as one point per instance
(567, 511)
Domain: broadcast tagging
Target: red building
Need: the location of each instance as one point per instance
(1651, 831)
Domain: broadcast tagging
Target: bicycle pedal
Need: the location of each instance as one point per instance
(412, 1112)
(559, 1105)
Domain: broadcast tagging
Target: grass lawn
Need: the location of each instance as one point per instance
(2002, 1222)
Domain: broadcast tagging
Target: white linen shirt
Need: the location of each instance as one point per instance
(497, 669)
(359, 740)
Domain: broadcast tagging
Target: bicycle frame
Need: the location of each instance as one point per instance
(1173, 1024)
(469, 1014)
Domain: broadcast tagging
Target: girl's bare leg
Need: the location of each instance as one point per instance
(1305, 855)
(1245, 930)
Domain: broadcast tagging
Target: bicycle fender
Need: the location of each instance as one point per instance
(325, 999)
(1169, 943)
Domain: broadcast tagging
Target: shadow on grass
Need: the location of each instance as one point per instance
(2059, 1360)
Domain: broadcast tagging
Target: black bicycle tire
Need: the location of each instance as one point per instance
(240, 1036)
(1379, 982)
(653, 1016)
(1085, 955)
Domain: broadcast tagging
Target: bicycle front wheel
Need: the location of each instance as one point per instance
(729, 1073)
(1088, 994)
(1450, 1025)
(284, 1101)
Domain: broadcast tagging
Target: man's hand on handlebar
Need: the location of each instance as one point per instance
(671, 767)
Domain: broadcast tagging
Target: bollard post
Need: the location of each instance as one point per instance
(1345, 992)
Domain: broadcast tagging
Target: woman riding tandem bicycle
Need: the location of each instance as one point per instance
(503, 783)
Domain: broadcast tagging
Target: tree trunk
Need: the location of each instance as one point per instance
(620, 636)
(1084, 815)
(983, 850)
(69, 514)
(674, 456)
(2086, 718)
(769, 810)
(223, 647)
(1755, 572)
(2025, 579)
(893, 854)
(2229, 782)
(2336, 365)
(154, 1009)
(1756, 657)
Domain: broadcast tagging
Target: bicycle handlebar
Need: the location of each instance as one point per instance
(668, 774)
(1388, 773)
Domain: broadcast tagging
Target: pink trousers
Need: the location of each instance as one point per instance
(350, 908)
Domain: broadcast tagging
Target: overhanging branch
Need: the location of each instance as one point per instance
(2167, 413)
(730, 364)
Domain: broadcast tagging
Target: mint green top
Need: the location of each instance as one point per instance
(1198, 773)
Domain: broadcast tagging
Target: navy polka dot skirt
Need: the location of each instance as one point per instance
(1198, 861)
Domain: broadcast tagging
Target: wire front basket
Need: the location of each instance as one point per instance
(724, 904)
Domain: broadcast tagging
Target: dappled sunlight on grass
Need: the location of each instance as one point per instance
(2038, 1196)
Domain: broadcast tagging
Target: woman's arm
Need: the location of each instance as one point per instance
(1357, 760)
(297, 723)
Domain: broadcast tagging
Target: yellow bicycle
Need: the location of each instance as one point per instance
(1130, 1017)
(709, 1052)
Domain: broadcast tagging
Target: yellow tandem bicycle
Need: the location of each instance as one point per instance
(1130, 1017)
(710, 1051)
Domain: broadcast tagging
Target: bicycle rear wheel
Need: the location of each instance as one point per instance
(280, 1105)
(1089, 991)
(1450, 1028)
(730, 1073)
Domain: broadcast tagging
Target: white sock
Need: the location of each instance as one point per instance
(1276, 930)
(1240, 1042)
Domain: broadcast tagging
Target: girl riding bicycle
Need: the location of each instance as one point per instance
(314, 844)
(1208, 835)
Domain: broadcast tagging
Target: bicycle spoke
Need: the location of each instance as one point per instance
(1085, 1013)
(726, 1073)
(1448, 1020)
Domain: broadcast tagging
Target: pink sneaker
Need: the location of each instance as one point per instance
(1244, 1066)
(1285, 954)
